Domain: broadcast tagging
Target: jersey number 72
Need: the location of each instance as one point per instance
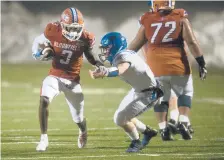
(166, 36)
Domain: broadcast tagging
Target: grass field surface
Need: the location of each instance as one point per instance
(20, 133)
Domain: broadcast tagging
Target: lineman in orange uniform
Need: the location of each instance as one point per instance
(69, 40)
(165, 30)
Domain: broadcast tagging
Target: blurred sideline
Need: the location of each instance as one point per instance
(21, 26)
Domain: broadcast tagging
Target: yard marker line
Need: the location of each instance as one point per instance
(90, 129)
(122, 155)
(57, 129)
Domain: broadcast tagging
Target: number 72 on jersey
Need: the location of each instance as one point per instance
(166, 38)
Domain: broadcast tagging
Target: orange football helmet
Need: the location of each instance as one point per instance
(157, 5)
(72, 24)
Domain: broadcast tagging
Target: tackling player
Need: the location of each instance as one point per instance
(64, 42)
(132, 69)
(165, 30)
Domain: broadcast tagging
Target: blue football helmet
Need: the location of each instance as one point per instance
(111, 44)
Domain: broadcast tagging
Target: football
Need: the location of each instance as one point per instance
(47, 53)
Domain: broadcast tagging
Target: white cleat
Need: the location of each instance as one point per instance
(82, 139)
(42, 145)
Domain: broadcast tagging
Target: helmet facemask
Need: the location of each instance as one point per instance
(72, 31)
(161, 5)
(105, 52)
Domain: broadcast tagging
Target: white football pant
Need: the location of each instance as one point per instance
(52, 86)
(180, 85)
(133, 104)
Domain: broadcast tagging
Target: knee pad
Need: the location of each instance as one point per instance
(184, 101)
(163, 107)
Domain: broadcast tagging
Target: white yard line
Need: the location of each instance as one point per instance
(125, 155)
(219, 101)
(57, 129)
(95, 91)
(101, 91)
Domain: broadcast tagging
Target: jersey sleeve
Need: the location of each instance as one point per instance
(89, 39)
(141, 19)
(51, 30)
(183, 13)
(123, 57)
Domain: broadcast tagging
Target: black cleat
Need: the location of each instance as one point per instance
(191, 130)
(173, 126)
(184, 131)
(135, 146)
(147, 135)
(165, 134)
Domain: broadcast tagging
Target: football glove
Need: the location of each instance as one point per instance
(202, 72)
(202, 68)
(99, 72)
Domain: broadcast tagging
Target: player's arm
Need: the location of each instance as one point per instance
(110, 72)
(139, 40)
(190, 39)
(39, 44)
(89, 56)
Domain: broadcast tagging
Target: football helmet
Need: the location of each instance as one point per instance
(111, 44)
(157, 5)
(72, 24)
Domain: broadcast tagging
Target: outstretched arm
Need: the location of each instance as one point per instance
(89, 56)
(109, 72)
(139, 40)
(193, 45)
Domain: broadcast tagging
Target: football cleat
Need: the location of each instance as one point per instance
(135, 146)
(165, 134)
(42, 145)
(173, 126)
(147, 135)
(82, 139)
(191, 130)
(184, 131)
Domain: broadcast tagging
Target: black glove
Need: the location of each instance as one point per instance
(202, 67)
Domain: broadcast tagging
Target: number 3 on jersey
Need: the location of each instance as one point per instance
(68, 55)
(159, 26)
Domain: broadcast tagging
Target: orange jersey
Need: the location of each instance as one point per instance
(68, 57)
(164, 52)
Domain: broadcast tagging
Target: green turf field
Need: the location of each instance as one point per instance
(20, 126)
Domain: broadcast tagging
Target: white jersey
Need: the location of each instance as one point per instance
(138, 75)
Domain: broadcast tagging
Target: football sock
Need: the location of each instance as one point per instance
(183, 118)
(82, 125)
(44, 137)
(174, 114)
(133, 134)
(141, 127)
(162, 125)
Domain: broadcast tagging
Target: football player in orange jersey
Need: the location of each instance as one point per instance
(166, 31)
(68, 41)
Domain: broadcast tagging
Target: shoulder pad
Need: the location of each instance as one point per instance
(52, 29)
(183, 13)
(144, 16)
